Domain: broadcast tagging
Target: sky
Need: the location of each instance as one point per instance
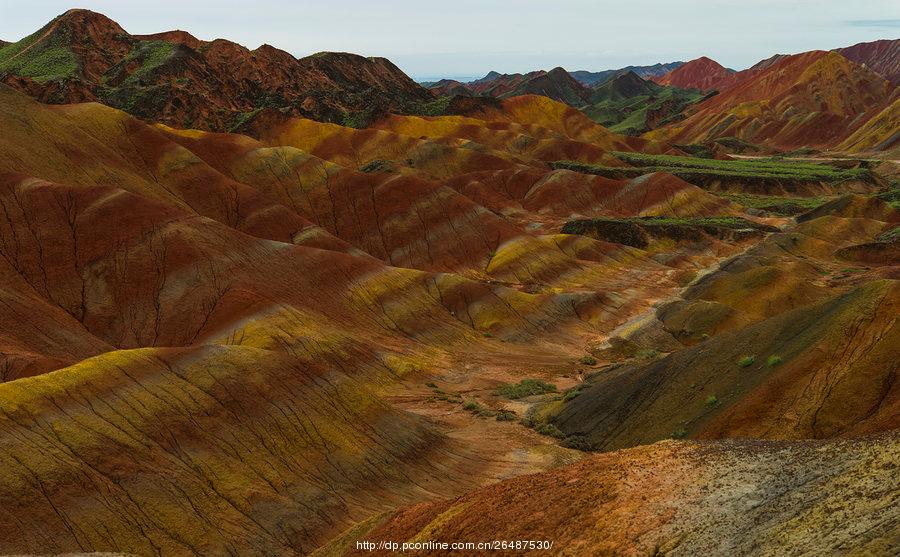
(468, 38)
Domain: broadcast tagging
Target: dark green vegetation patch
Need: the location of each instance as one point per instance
(638, 231)
(630, 105)
(703, 170)
(524, 388)
(775, 204)
(42, 62)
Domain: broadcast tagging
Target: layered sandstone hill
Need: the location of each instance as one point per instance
(220, 343)
(814, 99)
(703, 73)
(203, 331)
(175, 78)
(797, 338)
(882, 57)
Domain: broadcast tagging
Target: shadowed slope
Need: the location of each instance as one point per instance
(785, 342)
(836, 368)
(881, 133)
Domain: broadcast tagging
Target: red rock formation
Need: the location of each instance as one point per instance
(703, 73)
(175, 78)
(812, 99)
(882, 57)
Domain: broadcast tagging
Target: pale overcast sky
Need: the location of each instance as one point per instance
(465, 38)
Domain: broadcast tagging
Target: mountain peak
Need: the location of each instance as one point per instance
(85, 21)
(702, 73)
(628, 76)
(174, 36)
(491, 76)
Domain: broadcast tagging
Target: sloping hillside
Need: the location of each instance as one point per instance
(814, 99)
(882, 57)
(630, 105)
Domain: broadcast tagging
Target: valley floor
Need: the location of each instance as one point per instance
(218, 344)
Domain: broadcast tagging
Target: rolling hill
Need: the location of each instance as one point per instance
(592, 79)
(147, 269)
(556, 84)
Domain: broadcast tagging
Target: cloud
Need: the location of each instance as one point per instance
(880, 23)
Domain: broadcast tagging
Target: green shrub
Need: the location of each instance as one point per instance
(41, 61)
(377, 165)
(151, 55)
(746, 361)
(578, 442)
(679, 433)
(506, 416)
(471, 406)
(551, 430)
(647, 354)
(526, 387)
(692, 168)
(892, 235)
(773, 360)
(712, 400)
(570, 394)
(588, 360)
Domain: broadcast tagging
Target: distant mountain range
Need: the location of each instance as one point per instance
(623, 100)
(596, 78)
(789, 92)
(630, 105)
(182, 81)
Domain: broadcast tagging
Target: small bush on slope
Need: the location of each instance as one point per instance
(526, 387)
